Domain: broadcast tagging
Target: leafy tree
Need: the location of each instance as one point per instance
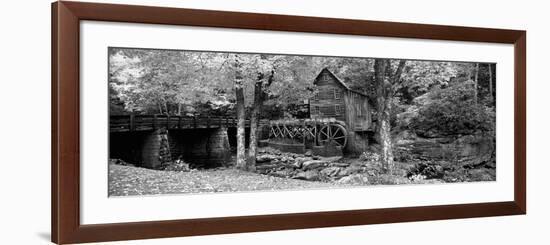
(452, 111)
(421, 76)
(188, 82)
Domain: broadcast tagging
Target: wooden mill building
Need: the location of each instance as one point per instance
(335, 99)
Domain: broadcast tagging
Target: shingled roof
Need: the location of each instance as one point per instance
(338, 80)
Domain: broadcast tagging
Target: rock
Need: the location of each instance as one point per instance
(330, 171)
(310, 175)
(266, 167)
(353, 169)
(429, 170)
(482, 175)
(303, 159)
(312, 164)
(283, 173)
(177, 166)
(265, 158)
(491, 163)
(339, 164)
(300, 160)
(355, 179)
(467, 150)
(308, 153)
(297, 164)
(369, 156)
(331, 159)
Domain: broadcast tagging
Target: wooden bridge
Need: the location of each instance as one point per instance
(125, 123)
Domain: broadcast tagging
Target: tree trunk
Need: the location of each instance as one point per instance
(386, 82)
(476, 76)
(491, 98)
(383, 103)
(241, 151)
(254, 121)
(260, 95)
(179, 109)
(386, 154)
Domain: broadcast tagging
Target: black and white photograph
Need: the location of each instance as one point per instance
(275, 122)
(188, 122)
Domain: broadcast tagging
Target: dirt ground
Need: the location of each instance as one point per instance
(129, 181)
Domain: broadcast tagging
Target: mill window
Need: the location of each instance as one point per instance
(339, 109)
(337, 93)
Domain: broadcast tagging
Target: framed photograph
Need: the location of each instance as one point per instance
(178, 122)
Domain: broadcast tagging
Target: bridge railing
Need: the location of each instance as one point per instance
(149, 122)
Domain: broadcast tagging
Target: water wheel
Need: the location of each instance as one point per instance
(332, 134)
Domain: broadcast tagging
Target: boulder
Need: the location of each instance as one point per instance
(353, 169)
(267, 167)
(339, 164)
(312, 164)
(354, 179)
(283, 173)
(300, 160)
(331, 159)
(427, 169)
(330, 171)
(310, 175)
(265, 158)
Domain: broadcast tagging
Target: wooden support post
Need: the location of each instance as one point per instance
(131, 127)
(208, 121)
(179, 122)
(154, 121)
(303, 132)
(194, 121)
(167, 121)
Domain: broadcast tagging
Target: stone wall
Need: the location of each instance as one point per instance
(150, 149)
(207, 147)
(465, 150)
(155, 150)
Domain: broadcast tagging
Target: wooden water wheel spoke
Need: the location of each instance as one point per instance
(332, 134)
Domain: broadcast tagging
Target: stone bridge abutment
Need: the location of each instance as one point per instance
(208, 147)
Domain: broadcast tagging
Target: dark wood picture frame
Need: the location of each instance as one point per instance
(65, 169)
